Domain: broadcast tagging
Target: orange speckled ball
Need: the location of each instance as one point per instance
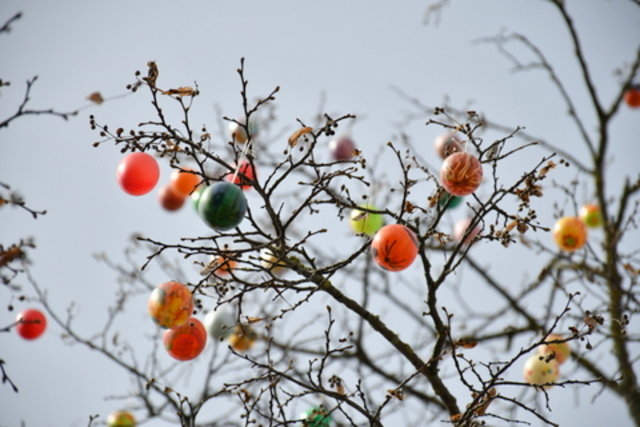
(570, 233)
(170, 304)
(187, 341)
(394, 247)
(461, 174)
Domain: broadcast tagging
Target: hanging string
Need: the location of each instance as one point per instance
(243, 154)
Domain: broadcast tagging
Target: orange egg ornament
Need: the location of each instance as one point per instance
(570, 233)
(242, 338)
(183, 183)
(185, 342)
(394, 247)
(461, 174)
(170, 304)
(562, 351)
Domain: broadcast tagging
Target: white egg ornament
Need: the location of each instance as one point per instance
(219, 323)
(538, 371)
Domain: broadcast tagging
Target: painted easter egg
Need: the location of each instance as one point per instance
(570, 233)
(242, 338)
(394, 247)
(138, 173)
(245, 176)
(632, 97)
(121, 419)
(187, 341)
(538, 371)
(461, 227)
(30, 323)
(449, 201)
(365, 222)
(342, 148)
(220, 322)
(461, 174)
(195, 196)
(316, 416)
(222, 206)
(170, 304)
(270, 262)
(591, 215)
(184, 182)
(446, 144)
(562, 351)
(169, 199)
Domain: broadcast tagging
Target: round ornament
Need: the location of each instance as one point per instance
(316, 416)
(30, 323)
(591, 215)
(187, 341)
(538, 371)
(220, 265)
(570, 233)
(449, 201)
(169, 199)
(184, 182)
(562, 351)
(222, 206)
(446, 144)
(170, 304)
(461, 228)
(138, 173)
(461, 174)
(363, 222)
(219, 323)
(394, 247)
(270, 262)
(195, 196)
(342, 148)
(242, 338)
(121, 419)
(632, 97)
(245, 181)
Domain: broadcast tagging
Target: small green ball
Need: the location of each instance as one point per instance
(316, 416)
(365, 222)
(222, 206)
(449, 201)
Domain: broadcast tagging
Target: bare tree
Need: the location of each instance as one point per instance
(317, 324)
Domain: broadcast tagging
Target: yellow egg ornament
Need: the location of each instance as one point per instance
(538, 370)
(570, 233)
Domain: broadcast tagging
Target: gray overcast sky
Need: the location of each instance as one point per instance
(348, 54)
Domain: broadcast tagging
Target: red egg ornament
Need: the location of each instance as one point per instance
(170, 304)
(30, 324)
(185, 342)
(169, 199)
(461, 174)
(138, 173)
(394, 247)
(245, 176)
(570, 233)
(632, 97)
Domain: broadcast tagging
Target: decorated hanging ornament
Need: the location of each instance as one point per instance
(538, 370)
(316, 416)
(632, 97)
(222, 206)
(364, 222)
(30, 323)
(221, 265)
(245, 175)
(242, 338)
(562, 351)
(461, 174)
(187, 341)
(446, 144)
(591, 215)
(184, 182)
(342, 148)
(121, 419)
(570, 233)
(219, 323)
(449, 201)
(461, 228)
(138, 173)
(238, 132)
(270, 262)
(170, 304)
(195, 196)
(394, 247)
(169, 199)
